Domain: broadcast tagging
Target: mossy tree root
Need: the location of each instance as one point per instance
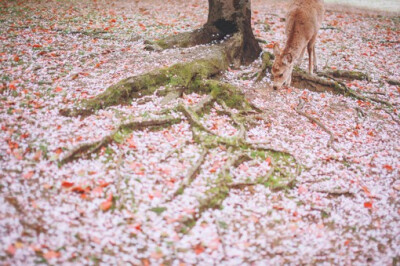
(346, 74)
(191, 77)
(217, 59)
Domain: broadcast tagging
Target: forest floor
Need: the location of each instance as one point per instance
(115, 207)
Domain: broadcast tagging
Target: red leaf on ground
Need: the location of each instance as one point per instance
(270, 45)
(103, 183)
(12, 86)
(388, 167)
(106, 205)
(131, 143)
(198, 249)
(67, 184)
(368, 205)
(78, 189)
(145, 262)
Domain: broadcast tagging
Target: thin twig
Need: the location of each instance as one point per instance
(335, 192)
(242, 185)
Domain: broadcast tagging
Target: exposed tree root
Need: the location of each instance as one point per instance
(186, 75)
(393, 82)
(316, 121)
(335, 192)
(242, 185)
(345, 74)
(85, 149)
(190, 77)
(390, 114)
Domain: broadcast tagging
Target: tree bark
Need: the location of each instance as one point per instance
(225, 18)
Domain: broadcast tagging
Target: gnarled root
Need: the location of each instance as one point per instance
(179, 75)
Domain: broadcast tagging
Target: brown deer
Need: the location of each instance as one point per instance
(303, 22)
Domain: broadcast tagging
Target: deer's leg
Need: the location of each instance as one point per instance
(315, 60)
(301, 57)
(311, 54)
(289, 80)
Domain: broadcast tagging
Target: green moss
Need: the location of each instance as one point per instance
(215, 197)
(178, 75)
(162, 44)
(180, 191)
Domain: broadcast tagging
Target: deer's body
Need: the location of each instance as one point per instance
(303, 22)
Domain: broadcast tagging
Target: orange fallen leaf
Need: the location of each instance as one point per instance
(131, 143)
(368, 205)
(270, 45)
(105, 205)
(103, 183)
(78, 189)
(198, 249)
(12, 86)
(67, 184)
(388, 167)
(145, 262)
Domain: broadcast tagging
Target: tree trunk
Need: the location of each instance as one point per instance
(225, 18)
(231, 16)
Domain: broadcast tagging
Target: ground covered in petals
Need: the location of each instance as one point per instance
(131, 202)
